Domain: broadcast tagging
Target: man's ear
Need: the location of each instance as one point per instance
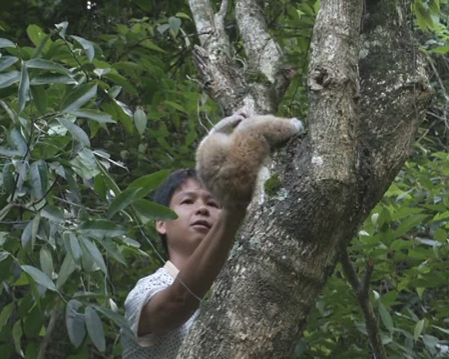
(160, 227)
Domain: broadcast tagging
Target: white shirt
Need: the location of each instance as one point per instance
(165, 346)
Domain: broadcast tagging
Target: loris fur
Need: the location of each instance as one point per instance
(230, 156)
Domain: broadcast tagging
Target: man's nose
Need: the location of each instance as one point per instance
(202, 209)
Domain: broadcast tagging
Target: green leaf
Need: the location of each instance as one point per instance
(47, 65)
(39, 96)
(122, 81)
(62, 28)
(101, 228)
(76, 131)
(122, 201)
(7, 61)
(418, 329)
(112, 249)
(67, 268)
(74, 247)
(94, 252)
(175, 24)
(100, 117)
(78, 98)
(52, 213)
(24, 87)
(36, 34)
(154, 210)
(26, 234)
(406, 225)
(39, 277)
(117, 318)
(35, 179)
(18, 141)
(53, 79)
(46, 261)
(75, 323)
(87, 46)
(151, 45)
(140, 120)
(150, 182)
(440, 50)
(175, 105)
(95, 328)
(386, 317)
(6, 312)
(17, 336)
(9, 78)
(3, 255)
(6, 43)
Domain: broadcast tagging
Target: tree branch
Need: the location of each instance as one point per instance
(362, 293)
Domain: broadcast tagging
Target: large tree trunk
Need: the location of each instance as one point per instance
(361, 128)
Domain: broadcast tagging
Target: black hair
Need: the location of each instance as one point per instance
(164, 193)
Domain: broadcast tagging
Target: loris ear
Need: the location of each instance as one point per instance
(160, 227)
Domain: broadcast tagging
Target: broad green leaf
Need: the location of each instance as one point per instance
(37, 187)
(100, 117)
(85, 164)
(117, 318)
(175, 24)
(39, 95)
(8, 179)
(112, 249)
(36, 34)
(153, 210)
(47, 65)
(418, 329)
(6, 312)
(440, 50)
(140, 121)
(76, 131)
(95, 328)
(7, 61)
(53, 79)
(24, 87)
(150, 182)
(39, 277)
(151, 45)
(386, 317)
(18, 141)
(67, 268)
(95, 253)
(78, 98)
(46, 261)
(9, 78)
(6, 43)
(75, 323)
(408, 224)
(122, 201)
(87, 46)
(44, 44)
(52, 213)
(122, 81)
(25, 238)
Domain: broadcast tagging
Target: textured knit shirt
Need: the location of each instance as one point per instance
(151, 346)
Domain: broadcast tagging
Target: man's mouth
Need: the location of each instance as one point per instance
(201, 223)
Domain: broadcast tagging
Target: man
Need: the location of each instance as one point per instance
(162, 307)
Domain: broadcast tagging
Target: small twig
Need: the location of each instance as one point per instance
(8, 110)
(362, 294)
(50, 328)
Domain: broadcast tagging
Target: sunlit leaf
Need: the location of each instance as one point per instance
(9, 78)
(76, 131)
(39, 276)
(52, 79)
(87, 46)
(24, 87)
(100, 117)
(140, 120)
(6, 43)
(418, 329)
(7, 61)
(47, 65)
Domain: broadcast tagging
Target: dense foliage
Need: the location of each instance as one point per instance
(96, 110)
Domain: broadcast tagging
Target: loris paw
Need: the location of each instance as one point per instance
(298, 124)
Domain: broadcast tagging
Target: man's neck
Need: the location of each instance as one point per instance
(179, 260)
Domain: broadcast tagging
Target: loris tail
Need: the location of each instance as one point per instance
(230, 156)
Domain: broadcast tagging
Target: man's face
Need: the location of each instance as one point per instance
(197, 212)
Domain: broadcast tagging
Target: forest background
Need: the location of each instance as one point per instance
(99, 101)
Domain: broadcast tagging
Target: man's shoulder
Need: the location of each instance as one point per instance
(161, 276)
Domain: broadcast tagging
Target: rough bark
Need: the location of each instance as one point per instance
(360, 132)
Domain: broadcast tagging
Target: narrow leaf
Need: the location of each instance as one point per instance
(24, 87)
(39, 277)
(95, 328)
(47, 65)
(154, 210)
(94, 252)
(386, 317)
(46, 261)
(78, 98)
(6, 43)
(53, 79)
(76, 131)
(39, 96)
(74, 247)
(418, 329)
(67, 268)
(100, 229)
(122, 201)
(7, 61)
(52, 213)
(9, 78)
(150, 182)
(98, 116)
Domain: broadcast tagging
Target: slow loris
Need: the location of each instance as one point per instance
(230, 156)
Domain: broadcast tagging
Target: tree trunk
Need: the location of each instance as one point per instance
(366, 94)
